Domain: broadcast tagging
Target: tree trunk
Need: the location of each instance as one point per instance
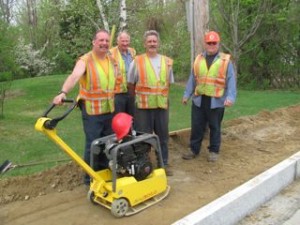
(31, 10)
(5, 10)
(233, 17)
(198, 17)
(102, 15)
(123, 15)
(32, 20)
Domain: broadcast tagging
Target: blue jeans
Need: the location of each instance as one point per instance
(201, 117)
(95, 126)
(157, 121)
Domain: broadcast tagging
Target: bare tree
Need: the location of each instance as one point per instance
(102, 15)
(32, 20)
(123, 15)
(31, 10)
(233, 16)
(6, 7)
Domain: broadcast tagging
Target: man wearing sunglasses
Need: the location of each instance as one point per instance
(212, 87)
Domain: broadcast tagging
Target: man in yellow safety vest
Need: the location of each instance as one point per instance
(212, 86)
(124, 55)
(95, 71)
(149, 78)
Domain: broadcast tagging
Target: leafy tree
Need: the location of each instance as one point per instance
(79, 21)
(169, 20)
(8, 68)
(255, 32)
(276, 56)
(31, 60)
(7, 42)
(41, 32)
(262, 35)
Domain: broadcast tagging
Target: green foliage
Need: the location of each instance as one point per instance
(6, 76)
(7, 43)
(78, 23)
(279, 48)
(64, 62)
(170, 22)
(64, 29)
(270, 58)
(31, 60)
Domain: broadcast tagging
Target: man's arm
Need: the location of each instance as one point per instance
(70, 82)
(189, 89)
(231, 86)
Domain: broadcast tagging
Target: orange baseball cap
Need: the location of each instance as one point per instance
(212, 36)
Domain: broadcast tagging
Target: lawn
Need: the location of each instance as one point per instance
(29, 98)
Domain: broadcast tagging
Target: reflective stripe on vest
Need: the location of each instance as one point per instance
(97, 87)
(152, 92)
(211, 82)
(121, 79)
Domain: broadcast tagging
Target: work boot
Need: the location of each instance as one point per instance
(168, 171)
(188, 156)
(212, 157)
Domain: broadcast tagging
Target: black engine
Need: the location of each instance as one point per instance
(133, 160)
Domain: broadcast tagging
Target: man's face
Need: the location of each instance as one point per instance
(211, 47)
(123, 42)
(101, 43)
(151, 44)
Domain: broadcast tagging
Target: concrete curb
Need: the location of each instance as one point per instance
(236, 204)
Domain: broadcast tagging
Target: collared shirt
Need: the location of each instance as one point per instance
(229, 93)
(127, 60)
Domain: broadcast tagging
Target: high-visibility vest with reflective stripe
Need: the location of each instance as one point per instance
(121, 79)
(211, 82)
(152, 92)
(97, 87)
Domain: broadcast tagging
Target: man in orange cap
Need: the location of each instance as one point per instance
(212, 87)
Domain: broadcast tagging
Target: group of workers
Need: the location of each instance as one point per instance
(117, 80)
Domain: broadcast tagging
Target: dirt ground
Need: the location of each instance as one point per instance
(250, 145)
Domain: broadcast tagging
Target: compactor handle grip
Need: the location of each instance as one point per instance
(51, 124)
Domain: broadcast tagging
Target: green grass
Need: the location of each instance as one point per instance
(29, 98)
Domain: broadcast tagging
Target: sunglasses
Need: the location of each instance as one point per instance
(211, 43)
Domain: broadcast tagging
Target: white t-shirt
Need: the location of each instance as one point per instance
(133, 75)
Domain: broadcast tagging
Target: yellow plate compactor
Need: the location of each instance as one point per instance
(135, 178)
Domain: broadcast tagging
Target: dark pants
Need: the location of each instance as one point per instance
(95, 126)
(124, 103)
(201, 117)
(157, 121)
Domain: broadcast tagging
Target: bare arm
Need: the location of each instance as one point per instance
(70, 82)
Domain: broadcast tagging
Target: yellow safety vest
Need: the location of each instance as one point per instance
(211, 82)
(96, 87)
(152, 92)
(121, 79)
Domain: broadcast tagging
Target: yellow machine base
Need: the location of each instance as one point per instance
(148, 203)
(144, 205)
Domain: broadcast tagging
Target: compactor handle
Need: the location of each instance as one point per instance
(51, 124)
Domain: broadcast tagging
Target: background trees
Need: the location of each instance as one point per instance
(251, 32)
(261, 35)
